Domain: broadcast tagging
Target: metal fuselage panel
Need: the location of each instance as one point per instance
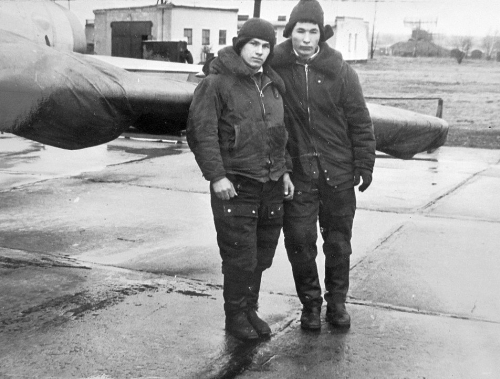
(43, 22)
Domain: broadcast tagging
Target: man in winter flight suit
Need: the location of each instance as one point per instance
(332, 146)
(237, 134)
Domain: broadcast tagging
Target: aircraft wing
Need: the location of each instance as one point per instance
(403, 133)
(173, 70)
(74, 101)
(52, 94)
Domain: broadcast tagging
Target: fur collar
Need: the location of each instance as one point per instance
(228, 62)
(328, 61)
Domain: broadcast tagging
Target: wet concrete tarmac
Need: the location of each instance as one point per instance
(109, 268)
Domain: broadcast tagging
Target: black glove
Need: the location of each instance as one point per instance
(366, 175)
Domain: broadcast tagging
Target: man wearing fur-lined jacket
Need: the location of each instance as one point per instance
(332, 145)
(237, 134)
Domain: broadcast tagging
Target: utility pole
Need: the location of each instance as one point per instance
(256, 8)
(372, 47)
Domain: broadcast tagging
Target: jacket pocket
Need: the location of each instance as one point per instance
(248, 137)
(240, 210)
(237, 137)
(227, 137)
(275, 211)
(278, 137)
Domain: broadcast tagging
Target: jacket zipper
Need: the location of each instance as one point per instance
(262, 106)
(261, 97)
(306, 68)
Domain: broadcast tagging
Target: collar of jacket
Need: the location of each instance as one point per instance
(328, 61)
(228, 62)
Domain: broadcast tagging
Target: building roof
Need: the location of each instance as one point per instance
(348, 18)
(167, 6)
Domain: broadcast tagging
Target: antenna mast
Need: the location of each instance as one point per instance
(417, 33)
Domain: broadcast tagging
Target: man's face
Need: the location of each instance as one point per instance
(255, 53)
(305, 39)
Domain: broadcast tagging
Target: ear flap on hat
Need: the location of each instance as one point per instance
(287, 32)
(328, 33)
(239, 42)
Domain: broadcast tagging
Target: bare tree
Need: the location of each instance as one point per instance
(489, 43)
(464, 43)
(462, 46)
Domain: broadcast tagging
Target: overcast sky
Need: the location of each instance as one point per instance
(449, 17)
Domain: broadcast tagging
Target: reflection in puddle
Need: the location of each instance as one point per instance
(21, 155)
(23, 161)
(51, 160)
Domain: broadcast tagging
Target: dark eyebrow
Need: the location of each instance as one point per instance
(309, 30)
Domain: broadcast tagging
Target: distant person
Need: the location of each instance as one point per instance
(186, 57)
(238, 137)
(332, 145)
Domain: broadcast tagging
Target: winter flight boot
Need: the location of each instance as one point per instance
(337, 285)
(238, 326)
(337, 315)
(309, 292)
(260, 325)
(236, 308)
(310, 318)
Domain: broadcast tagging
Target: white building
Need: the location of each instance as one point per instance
(121, 31)
(350, 36)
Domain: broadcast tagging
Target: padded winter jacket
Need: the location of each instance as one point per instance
(326, 116)
(235, 126)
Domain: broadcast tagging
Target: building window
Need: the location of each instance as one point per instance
(205, 37)
(188, 34)
(349, 43)
(222, 37)
(356, 42)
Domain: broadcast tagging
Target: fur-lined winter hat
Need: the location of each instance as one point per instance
(254, 28)
(308, 11)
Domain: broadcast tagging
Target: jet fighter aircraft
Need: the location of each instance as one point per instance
(52, 93)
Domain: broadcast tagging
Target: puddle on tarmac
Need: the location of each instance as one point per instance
(59, 310)
(20, 155)
(149, 149)
(235, 356)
